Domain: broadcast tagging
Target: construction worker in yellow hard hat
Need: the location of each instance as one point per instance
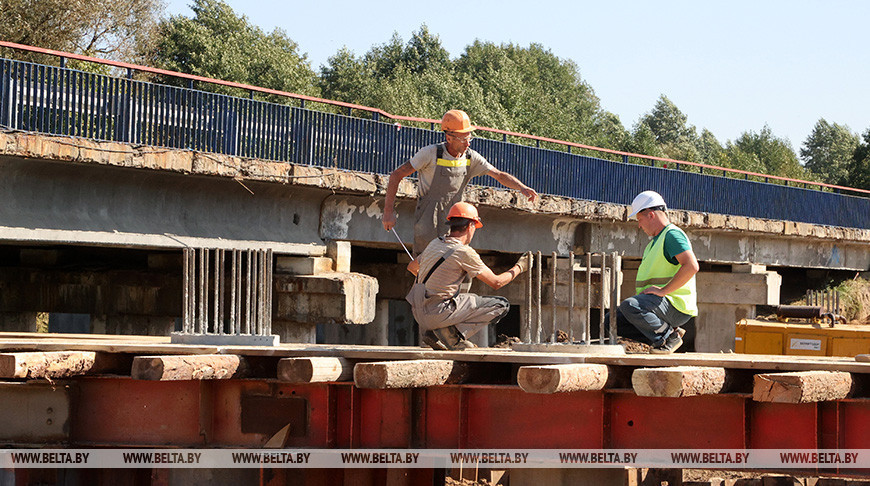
(444, 171)
(447, 316)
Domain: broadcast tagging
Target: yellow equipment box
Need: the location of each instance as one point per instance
(770, 337)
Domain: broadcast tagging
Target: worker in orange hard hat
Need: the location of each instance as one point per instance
(447, 316)
(444, 171)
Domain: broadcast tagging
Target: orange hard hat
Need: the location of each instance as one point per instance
(456, 121)
(464, 210)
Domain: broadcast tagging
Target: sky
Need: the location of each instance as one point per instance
(731, 67)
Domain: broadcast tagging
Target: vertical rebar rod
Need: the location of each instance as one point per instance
(587, 326)
(269, 287)
(233, 282)
(191, 290)
(216, 290)
(239, 291)
(527, 328)
(601, 331)
(205, 273)
(571, 297)
(255, 301)
(199, 321)
(837, 305)
(185, 298)
(248, 294)
(554, 261)
(615, 264)
(539, 272)
(222, 290)
(261, 299)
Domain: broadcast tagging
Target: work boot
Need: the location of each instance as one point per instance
(431, 340)
(453, 339)
(671, 344)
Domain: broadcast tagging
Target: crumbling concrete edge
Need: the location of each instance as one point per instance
(86, 151)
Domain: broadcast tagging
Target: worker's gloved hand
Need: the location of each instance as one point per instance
(525, 262)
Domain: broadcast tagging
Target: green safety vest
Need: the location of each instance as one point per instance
(656, 270)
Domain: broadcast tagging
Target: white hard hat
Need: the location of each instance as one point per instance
(644, 200)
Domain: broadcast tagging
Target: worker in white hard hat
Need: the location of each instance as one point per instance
(666, 297)
(444, 171)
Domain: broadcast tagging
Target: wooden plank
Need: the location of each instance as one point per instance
(802, 387)
(315, 369)
(679, 381)
(409, 374)
(190, 367)
(564, 378)
(57, 364)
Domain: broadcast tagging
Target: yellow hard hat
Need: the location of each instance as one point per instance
(456, 121)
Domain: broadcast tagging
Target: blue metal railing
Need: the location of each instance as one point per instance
(62, 101)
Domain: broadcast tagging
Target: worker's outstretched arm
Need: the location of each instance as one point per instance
(396, 176)
(688, 268)
(512, 182)
(498, 281)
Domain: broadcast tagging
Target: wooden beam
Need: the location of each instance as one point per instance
(416, 373)
(190, 367)
(315, 369)
(563, 378)
(56, 364)
(802, 386)
(679, 381)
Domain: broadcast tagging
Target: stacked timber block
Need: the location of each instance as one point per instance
(320, 290)
(723, 300)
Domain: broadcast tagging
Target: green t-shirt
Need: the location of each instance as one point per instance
(676, 242)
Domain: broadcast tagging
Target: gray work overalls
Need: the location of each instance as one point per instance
(450, 179)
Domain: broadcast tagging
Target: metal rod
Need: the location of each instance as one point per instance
(587, 326)
(199, 322)
(216, 290)
(222, 286)
(239, 311)
(554, 261)
(233, 281)
(538, 271)
(248, 296)
(185, 298)
(270, 287)
(571, 297)
(615, 263)
(603, 297)
(191, 269)
(526, 332)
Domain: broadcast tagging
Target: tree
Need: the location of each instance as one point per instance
(828, 151)
(765, 153)
(710, 151)
(674, 136)
(115, 29)
(859, 167)
(217, 43)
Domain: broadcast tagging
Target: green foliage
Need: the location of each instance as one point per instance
(115, 29)
(828, 151)
(217, 43)
(765, 153)
(859, 167)
(521, 89)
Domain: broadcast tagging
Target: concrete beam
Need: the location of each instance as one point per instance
(112, 206)
(343, 298)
